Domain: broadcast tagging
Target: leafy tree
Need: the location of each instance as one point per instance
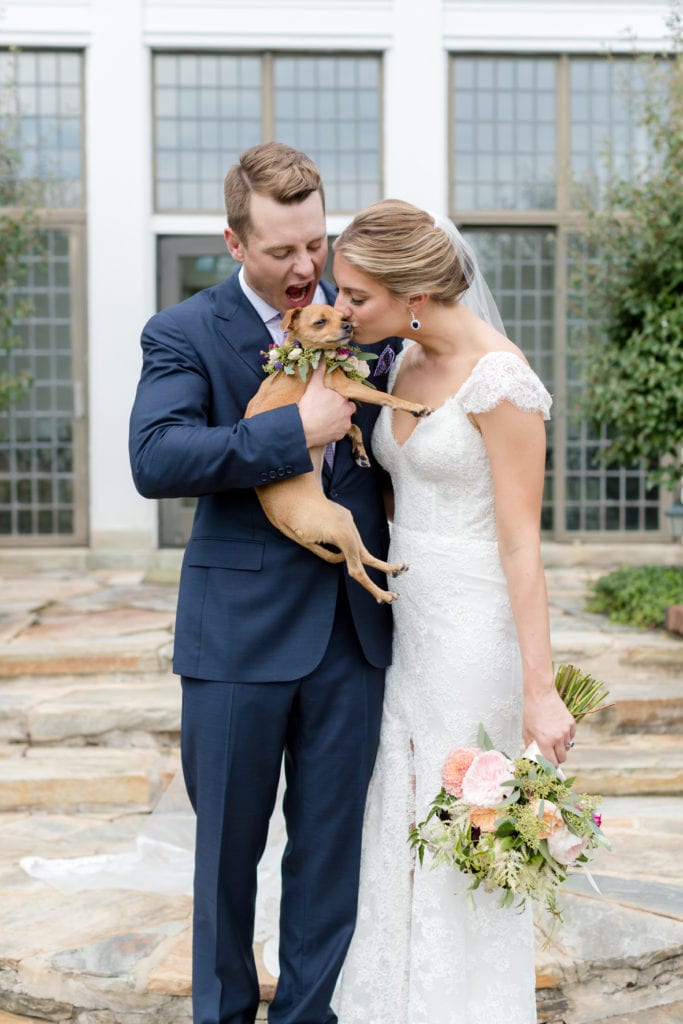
(633, 356)
(20, 238)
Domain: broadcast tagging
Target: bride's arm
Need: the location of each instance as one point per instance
(515, 442)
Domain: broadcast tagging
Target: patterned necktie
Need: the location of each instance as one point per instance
(329, 453)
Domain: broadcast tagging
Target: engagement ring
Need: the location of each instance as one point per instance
(568, 746)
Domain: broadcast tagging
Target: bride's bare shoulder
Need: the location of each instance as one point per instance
(486, 339)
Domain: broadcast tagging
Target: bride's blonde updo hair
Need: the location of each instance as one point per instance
(400, 247)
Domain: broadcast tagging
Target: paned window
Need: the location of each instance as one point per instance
(43, 90)
(207, 110)
(518, 125)
(504, 133)
(43, 484)
(37, 493)
(210, 107)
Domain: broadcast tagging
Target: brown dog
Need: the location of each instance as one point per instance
(297, 506)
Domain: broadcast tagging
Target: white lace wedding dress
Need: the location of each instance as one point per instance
(420, 955)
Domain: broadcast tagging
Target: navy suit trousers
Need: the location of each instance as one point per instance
(234, 736)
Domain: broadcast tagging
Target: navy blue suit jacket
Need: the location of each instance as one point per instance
(252, 605)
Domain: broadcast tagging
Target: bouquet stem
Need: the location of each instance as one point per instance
(582, 694)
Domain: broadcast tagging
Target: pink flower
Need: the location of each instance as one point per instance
(482, 784)
(597, 818)
(565, 847)
(455, 766)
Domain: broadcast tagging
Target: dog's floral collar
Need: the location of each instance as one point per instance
(290, 356)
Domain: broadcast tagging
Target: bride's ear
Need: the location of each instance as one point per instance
(418, 302)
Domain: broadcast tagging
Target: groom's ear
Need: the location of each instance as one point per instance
(234, 245)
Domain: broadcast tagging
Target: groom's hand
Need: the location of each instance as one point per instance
(325, 415)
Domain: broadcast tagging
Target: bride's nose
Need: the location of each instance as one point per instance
(343, 307)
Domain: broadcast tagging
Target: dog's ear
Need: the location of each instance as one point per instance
(290, 319)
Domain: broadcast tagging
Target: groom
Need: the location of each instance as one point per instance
(280, 653)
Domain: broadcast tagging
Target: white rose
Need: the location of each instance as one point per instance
(363, 369)
(565, 847)
(273, 354)
(295, 353)
(352, 362)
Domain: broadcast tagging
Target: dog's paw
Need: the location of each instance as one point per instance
(389, 597)
(361, 460)
(399, 570)
(423, 411)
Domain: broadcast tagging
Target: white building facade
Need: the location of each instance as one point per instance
(480, 110)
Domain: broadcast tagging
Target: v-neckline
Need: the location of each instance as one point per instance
(447, 399)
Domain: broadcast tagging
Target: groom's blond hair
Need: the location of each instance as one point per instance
(399, 246)
(270, 169)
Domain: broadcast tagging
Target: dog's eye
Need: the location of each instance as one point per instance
(320, 323)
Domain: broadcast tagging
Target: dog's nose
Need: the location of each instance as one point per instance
(346, 326)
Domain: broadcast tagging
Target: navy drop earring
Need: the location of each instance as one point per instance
(414, 323)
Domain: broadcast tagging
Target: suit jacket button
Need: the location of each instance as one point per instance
(272, 474)
(263, 477)
(288, 470)
(280, 471)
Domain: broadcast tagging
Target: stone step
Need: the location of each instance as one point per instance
(66, 624)
(143, 710)
(627, 765)
(82, 778)
(116, 640)
(117, 956)
(111, 710)
(77, 776)
(668, 1013)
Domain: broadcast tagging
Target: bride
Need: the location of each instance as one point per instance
(471, 632)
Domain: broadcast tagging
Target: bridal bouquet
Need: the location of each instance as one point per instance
(515, 824)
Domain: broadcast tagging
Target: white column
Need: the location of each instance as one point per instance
(120, 263)
(415, 104)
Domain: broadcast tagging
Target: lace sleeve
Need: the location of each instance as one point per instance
(500, 377)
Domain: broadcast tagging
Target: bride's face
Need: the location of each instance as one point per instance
(374, 312)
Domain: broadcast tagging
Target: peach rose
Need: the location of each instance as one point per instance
(455, 766)
(551, 820)
(484, 818)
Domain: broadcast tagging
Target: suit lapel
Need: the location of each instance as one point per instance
(239, 324)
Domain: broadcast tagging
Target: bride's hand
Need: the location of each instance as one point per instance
(547, 721)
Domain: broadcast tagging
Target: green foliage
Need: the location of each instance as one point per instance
(638, 595)
(633, 351)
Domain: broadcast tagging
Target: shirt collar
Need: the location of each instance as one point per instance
(264, 309)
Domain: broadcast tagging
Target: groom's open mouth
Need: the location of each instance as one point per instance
(300, 295)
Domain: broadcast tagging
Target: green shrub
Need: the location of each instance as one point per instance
(638, 595)
(631, 281)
